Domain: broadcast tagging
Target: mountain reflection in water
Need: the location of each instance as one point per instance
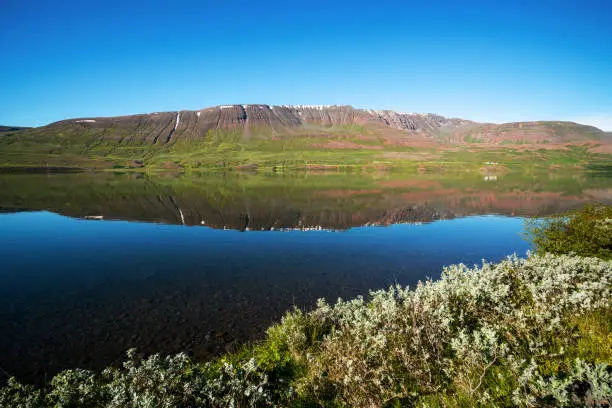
(304, 201)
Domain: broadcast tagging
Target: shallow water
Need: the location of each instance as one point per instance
(91, 265)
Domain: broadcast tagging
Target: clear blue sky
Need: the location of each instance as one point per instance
(483, 60)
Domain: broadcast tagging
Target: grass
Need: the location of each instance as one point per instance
(594, 336)
(472, 139)
(226, 148)
(299, 152)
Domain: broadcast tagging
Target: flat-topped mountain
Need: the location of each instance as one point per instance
(306, 137)
(269, 121)
(265, 121)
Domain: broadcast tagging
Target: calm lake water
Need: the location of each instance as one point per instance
(94, 264)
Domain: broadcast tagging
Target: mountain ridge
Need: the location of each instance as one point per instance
(274, 120)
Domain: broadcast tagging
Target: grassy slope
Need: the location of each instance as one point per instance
(303, 148)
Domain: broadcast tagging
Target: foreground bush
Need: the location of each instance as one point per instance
(523, 332)
(585, 232)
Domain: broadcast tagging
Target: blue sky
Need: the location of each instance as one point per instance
(493, 61)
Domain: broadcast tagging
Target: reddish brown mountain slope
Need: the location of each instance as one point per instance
(266, 121)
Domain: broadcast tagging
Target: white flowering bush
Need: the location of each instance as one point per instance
(241, 385)
(520, 333)
(471, 335)
(18, 395)
(168, 382)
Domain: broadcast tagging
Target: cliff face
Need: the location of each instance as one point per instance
(267, 121)
(251, 120)
(415, 121)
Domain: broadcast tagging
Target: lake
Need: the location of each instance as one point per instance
(94, 264)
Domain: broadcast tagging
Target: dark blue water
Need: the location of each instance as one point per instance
(80, 292)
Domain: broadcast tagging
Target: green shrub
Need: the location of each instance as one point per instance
(586, 232)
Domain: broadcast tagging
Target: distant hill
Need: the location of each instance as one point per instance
(8, 129)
